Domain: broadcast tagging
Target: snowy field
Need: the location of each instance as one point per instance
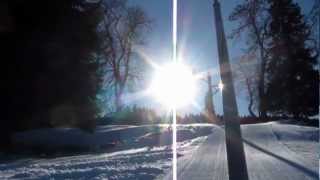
(144, 152)
(117, 152)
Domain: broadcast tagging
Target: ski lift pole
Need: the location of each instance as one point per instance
(235, 151)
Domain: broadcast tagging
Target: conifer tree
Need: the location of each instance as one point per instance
(292, 81)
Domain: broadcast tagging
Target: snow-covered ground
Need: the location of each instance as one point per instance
(118, 152)
(273, 151)
(301, 140)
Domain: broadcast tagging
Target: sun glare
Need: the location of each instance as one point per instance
(174, 85)
(220, 86)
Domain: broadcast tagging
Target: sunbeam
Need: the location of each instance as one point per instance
(145, 57)
(174, 115)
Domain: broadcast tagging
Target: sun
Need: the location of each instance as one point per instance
(174, 85)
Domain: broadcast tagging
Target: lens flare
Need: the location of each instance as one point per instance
(220, 86)
(174, 85)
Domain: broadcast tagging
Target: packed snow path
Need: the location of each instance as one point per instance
(267, 158)
(273, 151)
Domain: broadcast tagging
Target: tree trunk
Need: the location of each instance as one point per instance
(261, 84)
(118, 97)
(118, 102)
(250, 106)
(262, 100)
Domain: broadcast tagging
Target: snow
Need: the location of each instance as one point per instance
(143, 152)
(122, 137)
(300, 140)
(273, 151)
(270, 154)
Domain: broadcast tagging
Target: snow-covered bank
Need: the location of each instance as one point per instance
(143, 152)
(301, 140)
(273, 151)
(107, 138)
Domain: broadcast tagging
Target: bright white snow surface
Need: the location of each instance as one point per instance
(273, 151)
(138, 152)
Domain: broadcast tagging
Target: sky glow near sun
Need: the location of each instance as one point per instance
(174, 85)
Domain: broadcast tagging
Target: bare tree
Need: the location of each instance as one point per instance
(121, 30)
(314, 21)
(253, 22)
(246, 79)
(315, 14)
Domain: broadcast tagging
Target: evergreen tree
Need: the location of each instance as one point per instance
(47, 55)
(292, 81)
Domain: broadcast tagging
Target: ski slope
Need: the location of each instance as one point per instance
(140, 152)
(271, 153)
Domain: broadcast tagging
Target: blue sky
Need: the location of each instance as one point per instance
(196, 41)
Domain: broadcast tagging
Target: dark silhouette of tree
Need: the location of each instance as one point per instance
(293, 81)
(122, 29)
(253, 22)
(246, 79)
(195, 118)
(314, 14)
(133, 116)
(49, 64)
(314, 21)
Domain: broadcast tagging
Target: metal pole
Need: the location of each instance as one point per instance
(235, 150)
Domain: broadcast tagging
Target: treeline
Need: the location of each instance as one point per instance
(143, 116)
(133, 116)
(279, 68)
(199, 118)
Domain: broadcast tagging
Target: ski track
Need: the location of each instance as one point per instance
(273, 151)
(267, 158)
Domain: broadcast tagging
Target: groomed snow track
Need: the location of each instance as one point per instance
(267, 158)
